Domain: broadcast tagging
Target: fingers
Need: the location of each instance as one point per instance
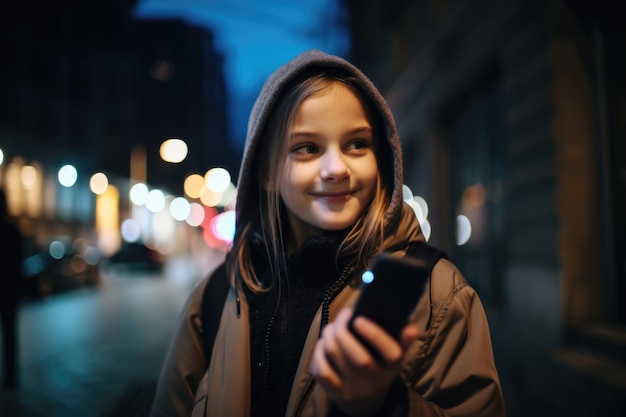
(338, 351)
(389, 349)
(323, 369)
(409, 335)
(340, 354)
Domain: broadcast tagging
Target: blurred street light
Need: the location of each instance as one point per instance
(173, 150)
(67, 175)
(139, 194)
(98, 183)
(193, 185)
(217, 179)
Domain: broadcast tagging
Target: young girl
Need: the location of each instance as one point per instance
(319, 196)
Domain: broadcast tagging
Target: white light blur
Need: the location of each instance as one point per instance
(163, 228)
(180, 208)
(423, 204)
(67, 175)
(173, 150)
(407, 194)
(155, 201)
(217, 179)
(143, 217)
(131, 230)
(463, 229)
(1, 156)
(417, 209)
(426, 229)
(223, 225)
(139, 194)
(196, 214)
(98, 183)
(56, 249)
(420, 208)
(28, 175)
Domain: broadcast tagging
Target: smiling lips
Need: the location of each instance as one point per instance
(341, 197)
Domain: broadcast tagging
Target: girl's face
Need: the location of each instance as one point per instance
(330, 173)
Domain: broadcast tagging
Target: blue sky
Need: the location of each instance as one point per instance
(256, 37)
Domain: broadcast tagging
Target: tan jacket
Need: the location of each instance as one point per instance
(450, 370)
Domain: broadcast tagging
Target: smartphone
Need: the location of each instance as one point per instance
(390, 291)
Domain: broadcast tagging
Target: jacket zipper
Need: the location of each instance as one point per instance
(266, 365)
(329, 296)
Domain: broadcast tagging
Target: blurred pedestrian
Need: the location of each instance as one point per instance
(319, 197)
(11, 280)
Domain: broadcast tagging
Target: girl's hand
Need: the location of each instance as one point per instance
(351, 376)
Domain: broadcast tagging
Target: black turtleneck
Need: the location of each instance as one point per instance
(280, 319)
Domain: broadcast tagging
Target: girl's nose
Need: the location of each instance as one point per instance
(333, 166)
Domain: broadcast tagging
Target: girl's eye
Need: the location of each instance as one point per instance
(305, 149)
(357, 144)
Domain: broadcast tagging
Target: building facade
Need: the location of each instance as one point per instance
(510, 115)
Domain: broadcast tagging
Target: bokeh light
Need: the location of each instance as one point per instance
(217, 179)
(407, 193)
(193, 185)
(1, 156)
(92, 255)
(155, 201)
(463, 229)
(139, 194)
(210, 198)
(196, 214)
(420, 208)
(98, 183)
(209, 214)
(67, 175)
(78, 264)
(173, 150)
(426, 229)
(223, 226)
(56, 249)
(28, 175)
(180, 208)
(423, 205)
(131, 230)
(228, 196)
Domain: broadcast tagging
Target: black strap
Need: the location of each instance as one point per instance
(430, 255)
(213, 300)
(427, 253)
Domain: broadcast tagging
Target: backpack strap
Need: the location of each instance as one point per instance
(430, 255)
(213, 299)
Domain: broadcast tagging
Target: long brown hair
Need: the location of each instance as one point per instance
(363, 240)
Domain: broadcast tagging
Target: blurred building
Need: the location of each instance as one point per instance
(511, 116)
(88, 85)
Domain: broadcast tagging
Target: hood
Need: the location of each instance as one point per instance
(277, 82)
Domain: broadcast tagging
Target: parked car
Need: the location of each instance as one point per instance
(136, 256)
(59, 267)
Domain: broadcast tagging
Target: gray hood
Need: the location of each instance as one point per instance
(274, 86)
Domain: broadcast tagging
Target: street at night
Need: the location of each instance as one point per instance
(97, 351)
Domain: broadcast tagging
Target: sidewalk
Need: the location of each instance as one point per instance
(98, 352)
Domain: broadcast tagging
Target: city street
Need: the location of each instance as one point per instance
(97, 351)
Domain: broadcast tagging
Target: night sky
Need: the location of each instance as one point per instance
(256, 37)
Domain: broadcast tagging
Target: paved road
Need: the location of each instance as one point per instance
(97, 352)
